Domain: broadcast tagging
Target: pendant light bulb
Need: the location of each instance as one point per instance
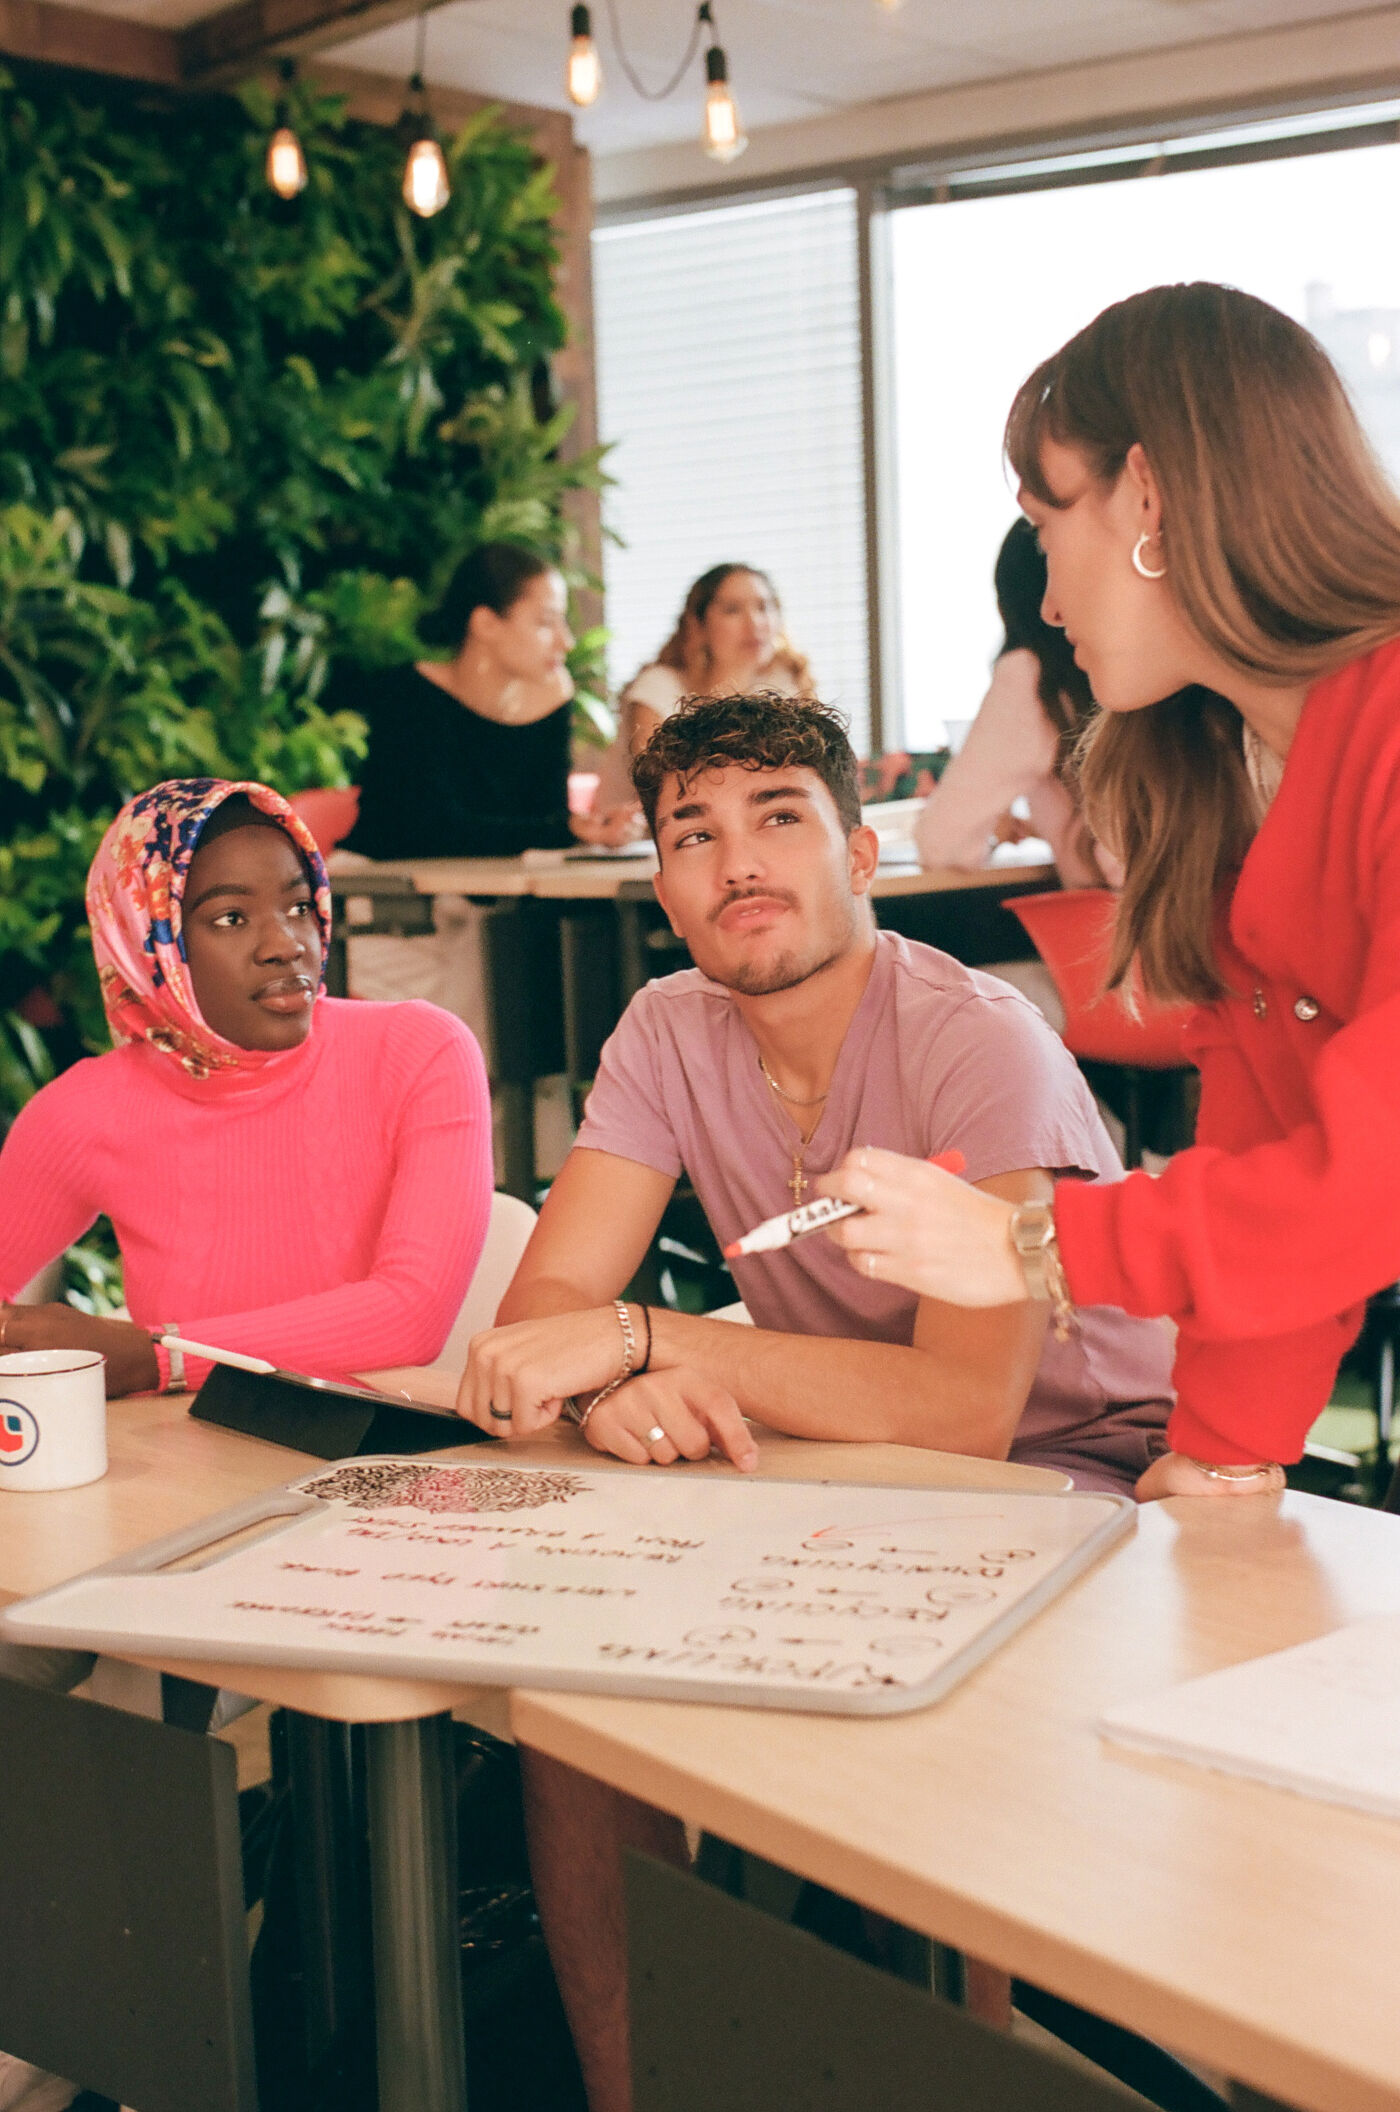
(722, 133)
(426, 189)
(425, 186)
(286, 164)
(584, 76)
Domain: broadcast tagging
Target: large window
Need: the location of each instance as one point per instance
(986, 287)
(729, 377)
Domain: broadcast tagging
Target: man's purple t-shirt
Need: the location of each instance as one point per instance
(937, 1057)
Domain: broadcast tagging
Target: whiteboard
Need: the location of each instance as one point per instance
(792, 1595)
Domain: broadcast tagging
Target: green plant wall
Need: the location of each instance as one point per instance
(241, 442)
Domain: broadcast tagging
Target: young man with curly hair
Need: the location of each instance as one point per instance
(802, 1030)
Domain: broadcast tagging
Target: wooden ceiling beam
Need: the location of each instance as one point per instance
(53, 34)
(227, 45)
(99, 43)
(215, 52)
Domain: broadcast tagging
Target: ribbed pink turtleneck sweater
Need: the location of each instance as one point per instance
(326, 1213)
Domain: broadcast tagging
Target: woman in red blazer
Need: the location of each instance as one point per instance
(1224, 554)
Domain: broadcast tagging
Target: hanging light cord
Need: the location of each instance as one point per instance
(420, 51)
(703, 19)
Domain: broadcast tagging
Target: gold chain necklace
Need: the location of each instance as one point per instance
(798, 1184)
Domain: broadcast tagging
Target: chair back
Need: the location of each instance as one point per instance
(329, 811)
(507, 1236)
(1071, 930)
(122, 1924)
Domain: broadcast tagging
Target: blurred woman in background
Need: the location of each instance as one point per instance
(1021, 744)
(728, 639)
(469, 756)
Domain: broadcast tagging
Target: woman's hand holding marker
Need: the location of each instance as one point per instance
(922, 1227)
(776, 1232)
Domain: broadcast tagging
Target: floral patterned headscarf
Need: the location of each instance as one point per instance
(135, 890)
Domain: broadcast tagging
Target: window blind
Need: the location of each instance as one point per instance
(728, 346)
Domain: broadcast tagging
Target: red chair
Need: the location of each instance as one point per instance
(1071, 931)
(330, 812)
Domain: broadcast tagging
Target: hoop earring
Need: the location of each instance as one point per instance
(1140, 564)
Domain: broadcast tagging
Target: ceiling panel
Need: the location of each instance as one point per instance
(789, 59)
(797, 58)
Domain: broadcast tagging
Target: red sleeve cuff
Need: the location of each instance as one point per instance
(1187, 1433)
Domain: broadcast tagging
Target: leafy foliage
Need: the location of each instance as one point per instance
(241, 441)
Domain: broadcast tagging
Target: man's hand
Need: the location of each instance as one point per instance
(129, 1350)
(693, 1415)
(1175, 1475)
(525, 1371)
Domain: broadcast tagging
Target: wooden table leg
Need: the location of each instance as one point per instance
(413, 1892)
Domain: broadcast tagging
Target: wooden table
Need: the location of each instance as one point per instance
(491, 878)
(1246, 1928)
(167, 1472)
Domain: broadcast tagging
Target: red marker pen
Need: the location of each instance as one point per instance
(777, 1232)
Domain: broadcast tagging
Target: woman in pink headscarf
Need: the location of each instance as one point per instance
(289, 1174)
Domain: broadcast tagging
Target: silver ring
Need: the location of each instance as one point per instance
(497, 1415)
(656, 1435)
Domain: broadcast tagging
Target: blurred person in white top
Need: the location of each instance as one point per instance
(728, 641)
(1021, 743)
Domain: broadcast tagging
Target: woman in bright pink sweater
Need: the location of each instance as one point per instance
(288, 1174)
(1224, 553)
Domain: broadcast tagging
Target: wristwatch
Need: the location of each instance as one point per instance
(1033, 1237)
(170, 1363)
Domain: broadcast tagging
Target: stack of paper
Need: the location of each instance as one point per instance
(1322, 1719)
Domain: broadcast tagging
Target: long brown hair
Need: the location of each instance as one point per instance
(1281, 538)
(685, 650)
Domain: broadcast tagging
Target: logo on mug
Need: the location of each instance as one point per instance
(19, 1434)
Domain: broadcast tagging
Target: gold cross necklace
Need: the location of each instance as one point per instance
(798, 1184)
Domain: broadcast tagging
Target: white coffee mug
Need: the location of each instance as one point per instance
(53, 1418)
